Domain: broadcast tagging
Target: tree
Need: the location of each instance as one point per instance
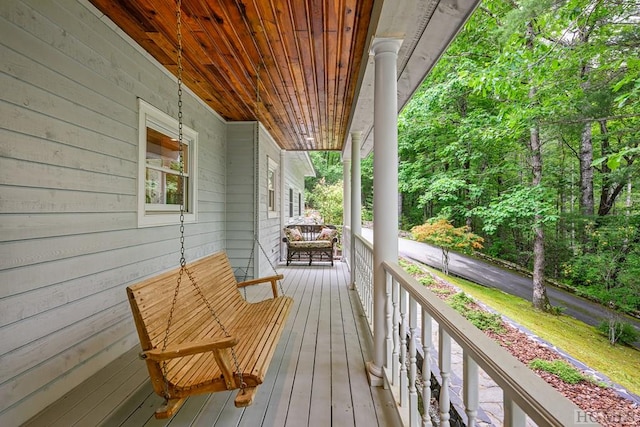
(501, 122)
(327, 199)
(440, 232)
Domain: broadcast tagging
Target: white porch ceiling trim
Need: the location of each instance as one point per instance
(427, 27)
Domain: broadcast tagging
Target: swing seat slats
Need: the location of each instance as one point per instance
(198, 353)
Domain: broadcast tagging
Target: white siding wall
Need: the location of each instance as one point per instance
(69, 242)
(241, 170)
(269, 228)
(294, 177)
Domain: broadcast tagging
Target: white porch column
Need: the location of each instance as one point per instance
(283, 201)
(385, 185)
(346, 191)
(356, 202)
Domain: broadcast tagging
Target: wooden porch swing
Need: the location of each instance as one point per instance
(205, 337)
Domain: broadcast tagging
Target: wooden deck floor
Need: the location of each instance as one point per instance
(316, 377)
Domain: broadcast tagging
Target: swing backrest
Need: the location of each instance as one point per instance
(151, 303)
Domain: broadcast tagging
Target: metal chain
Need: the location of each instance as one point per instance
(183, 262)
(255, 236)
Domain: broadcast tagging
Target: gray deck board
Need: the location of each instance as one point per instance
(317, 376)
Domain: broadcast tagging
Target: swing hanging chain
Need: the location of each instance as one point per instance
(255, 236)
(183, 262)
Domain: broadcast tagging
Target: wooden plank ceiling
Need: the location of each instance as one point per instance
(292, 64)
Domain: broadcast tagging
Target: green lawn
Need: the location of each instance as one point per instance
(620, 363)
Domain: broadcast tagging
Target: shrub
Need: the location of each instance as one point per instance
(485, 321)
(559, 368)
(479, 318)
(460, 301)
(426, 280)
(617, 331)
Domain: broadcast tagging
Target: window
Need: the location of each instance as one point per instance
(159, 161)
(290, 202)
(299, 204)
(271, 188)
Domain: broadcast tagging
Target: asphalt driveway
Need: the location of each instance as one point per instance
(493, 276)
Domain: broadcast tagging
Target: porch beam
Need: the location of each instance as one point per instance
(385, 184)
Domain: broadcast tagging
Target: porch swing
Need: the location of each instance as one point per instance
(206, 337)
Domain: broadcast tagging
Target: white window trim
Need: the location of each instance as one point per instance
(272, 165)
(155, 215)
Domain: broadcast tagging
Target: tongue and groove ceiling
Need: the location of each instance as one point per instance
(293, 65)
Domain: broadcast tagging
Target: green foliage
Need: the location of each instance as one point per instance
(412, 269)
(426, 280)
(460, 301)
(517, 208)
(559, 368)
(485, 321)
(327, 199)
(607, 266)
(481, 319)
(618, 331)
(328, 167)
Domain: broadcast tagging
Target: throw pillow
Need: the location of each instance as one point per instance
(293, 234)
(327, 234)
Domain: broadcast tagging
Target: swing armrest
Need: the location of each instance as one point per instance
(272, 279)
(187, 349)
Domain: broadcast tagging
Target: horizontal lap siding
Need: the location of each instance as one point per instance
(69, 241)
(294, 179)
(269, 229)
(240, 224)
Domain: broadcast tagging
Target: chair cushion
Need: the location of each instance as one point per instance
(314, 244)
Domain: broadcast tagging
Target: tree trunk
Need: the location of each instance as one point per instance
(586, 172)
(610, 190)
(445, 261)
(540, 299)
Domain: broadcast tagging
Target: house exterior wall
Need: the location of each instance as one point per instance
(69, 240)
(294, 178)
(241, 200)
(269, 226)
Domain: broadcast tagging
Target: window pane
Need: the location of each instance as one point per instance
(164, 151)
(164, 188)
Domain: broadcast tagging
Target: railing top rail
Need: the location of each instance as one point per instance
(364, 242)
(541, 402)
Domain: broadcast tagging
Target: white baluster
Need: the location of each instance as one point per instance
(414, 414)
(426, 368)
(444, 359)
(389, 319)
(404, 391)
(513, 415)
(395, 368)
(470, 388)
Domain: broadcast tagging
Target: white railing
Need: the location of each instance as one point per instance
(411, 310)
(363, 273)
(346, 245)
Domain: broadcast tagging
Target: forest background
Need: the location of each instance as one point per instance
(527, 131)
